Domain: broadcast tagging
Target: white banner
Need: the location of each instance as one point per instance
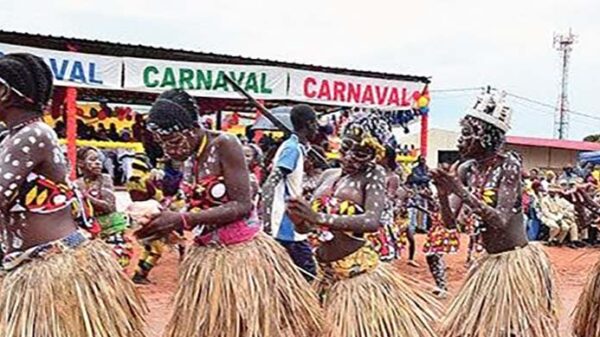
(76, 69)
(344, 90)
(204, 79)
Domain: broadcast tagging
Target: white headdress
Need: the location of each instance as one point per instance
(491, 108)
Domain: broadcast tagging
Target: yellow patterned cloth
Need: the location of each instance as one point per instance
(364, 260)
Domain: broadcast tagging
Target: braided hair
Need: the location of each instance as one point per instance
(173, 111)
(31, 76)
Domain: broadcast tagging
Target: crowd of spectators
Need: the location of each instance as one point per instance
(553, 219)
(102, 132)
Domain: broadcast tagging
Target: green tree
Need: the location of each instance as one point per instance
(592, 138)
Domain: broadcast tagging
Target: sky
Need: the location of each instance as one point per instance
(459, 43)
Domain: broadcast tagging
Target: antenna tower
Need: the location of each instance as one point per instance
(563, 43)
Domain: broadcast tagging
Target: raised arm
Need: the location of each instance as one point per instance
(369, 221)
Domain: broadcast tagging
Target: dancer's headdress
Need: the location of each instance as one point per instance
(374, 131)
(492, 108)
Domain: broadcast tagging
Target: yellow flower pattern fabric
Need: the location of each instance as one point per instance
(364, 260)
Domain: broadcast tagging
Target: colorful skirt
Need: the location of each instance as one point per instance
(250, 289)
(74, 288)
(113, 223)
(114, 226)
(587, 311)
(507, 294)
(363, 298)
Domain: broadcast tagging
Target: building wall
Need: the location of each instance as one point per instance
(439, 140)
(533, 157)
(546, 158)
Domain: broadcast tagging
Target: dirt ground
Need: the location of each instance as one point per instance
(572, 267)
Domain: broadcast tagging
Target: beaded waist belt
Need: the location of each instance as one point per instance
(44, 250)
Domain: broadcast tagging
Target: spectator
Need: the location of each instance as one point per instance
(284, 182)
(126, 135)
(101, 133)
(548, 179)
(112, 133)
(568, 217)
(405, 151)
(138, 128)
(533, 212)
(420, 173)
(567, 174)
(91, 132)
(595, 174)
(553, 216)
(534, 175)
(413, 151)
(61, 130)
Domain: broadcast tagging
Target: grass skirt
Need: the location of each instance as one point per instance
(587, 311)
(250, 289)
(507, 294)
(77, 293)
(379, 303)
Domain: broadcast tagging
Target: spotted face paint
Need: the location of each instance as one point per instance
(355, 156)
(177, 145)
(469, 139)
(91, 165)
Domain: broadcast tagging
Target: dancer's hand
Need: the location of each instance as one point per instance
(447, 180)
(161, 224)
(300, 212)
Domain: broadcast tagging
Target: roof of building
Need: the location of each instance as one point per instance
(553, 143)
(141, 51)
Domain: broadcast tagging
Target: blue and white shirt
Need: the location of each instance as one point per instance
(290, 158)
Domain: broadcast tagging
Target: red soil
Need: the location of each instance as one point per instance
(572, 267)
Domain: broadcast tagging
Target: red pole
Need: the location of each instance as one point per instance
(424, 133)
(424, 121)
(71, 115)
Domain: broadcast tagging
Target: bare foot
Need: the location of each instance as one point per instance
(412, 263)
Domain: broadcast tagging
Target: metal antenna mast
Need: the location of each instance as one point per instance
(564, 45)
